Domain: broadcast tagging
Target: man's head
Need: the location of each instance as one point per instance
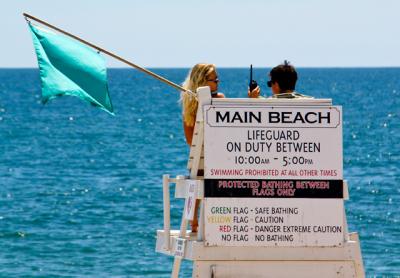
(283, 78)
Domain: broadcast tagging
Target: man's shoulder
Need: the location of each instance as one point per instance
(292, 95)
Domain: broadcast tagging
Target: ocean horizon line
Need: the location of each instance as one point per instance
(238, 67)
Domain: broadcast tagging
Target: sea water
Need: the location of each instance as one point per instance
(81, 190)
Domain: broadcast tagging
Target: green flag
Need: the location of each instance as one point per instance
(68, 67)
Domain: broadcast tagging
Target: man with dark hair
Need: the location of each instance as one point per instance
(282, 82)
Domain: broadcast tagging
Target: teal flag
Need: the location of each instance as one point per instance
(68, 67)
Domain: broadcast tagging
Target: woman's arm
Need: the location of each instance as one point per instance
(188, 133)
(190, 129)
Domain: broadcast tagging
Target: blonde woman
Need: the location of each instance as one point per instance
(200, 75)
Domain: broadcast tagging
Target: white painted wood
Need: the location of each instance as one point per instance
(345, 227)
(190, 161)
(182, 234)
(358, 261)
(166, 202)
(182, 185)
(204, 98)
(274, 269)
(183, 226)
(346, 197)
(176, 267)
(200, 232)
(204, 95)
(195, 250)
(196, 161)
(272, 101)
(346, 194)
(250, 261)
(196, 149)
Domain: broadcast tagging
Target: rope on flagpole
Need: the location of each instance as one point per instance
(162, 79)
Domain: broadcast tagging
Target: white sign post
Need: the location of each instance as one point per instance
(273, 176)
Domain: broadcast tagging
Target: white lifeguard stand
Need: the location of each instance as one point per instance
(310, 252)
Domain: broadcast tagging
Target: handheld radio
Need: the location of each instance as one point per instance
(252, 83)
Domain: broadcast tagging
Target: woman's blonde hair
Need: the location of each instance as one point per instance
(196, 78)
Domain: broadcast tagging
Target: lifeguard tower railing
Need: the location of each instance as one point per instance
(269, 178)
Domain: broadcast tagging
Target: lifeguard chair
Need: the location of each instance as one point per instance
(272, 195)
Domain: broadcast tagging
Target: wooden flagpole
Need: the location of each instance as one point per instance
(162, 79)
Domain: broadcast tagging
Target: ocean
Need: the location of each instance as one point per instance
(81, 190)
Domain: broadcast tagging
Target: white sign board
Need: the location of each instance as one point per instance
(179, 250)
(251, 142)
(190, 201)
(273, 176)
(257, 222)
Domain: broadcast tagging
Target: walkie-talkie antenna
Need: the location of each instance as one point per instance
(251, 74)
(252, 83)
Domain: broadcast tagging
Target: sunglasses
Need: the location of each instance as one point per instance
(269, 83)
(216, 80)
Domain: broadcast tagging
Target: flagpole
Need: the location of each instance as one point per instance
(162, 79)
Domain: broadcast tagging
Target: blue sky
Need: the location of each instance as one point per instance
(156, 33)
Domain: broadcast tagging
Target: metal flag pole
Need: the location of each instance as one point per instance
(162, 79)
